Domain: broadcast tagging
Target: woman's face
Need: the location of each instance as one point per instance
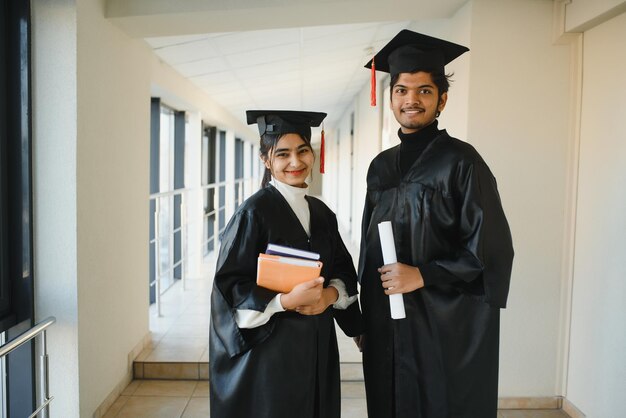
(291, 160)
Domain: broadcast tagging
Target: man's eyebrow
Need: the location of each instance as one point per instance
(418, 87)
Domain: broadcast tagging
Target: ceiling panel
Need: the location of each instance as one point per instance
(313, 68)
(235, 43)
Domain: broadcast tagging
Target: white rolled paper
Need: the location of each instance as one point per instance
(396, 302)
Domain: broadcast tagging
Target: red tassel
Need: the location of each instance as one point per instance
(373, 85)
(322, 153)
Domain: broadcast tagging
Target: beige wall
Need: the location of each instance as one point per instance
(92, 89)
(113, 149)
(597, 366)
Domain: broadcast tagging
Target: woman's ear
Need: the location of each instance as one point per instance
(266, 162)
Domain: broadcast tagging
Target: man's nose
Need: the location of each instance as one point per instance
(412, 97)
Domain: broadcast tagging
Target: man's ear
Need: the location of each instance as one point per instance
(442, 102)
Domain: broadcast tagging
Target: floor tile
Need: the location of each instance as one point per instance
(202, 389)
(353, 408)
(352, 390)
(179, 388)
(351, 372)
(182, 354)
(197, 408)
(153, 407)
(198, 309)
(204, 358)
(188, 318)
(116, 407)
(529, 413)
(203, 371)
(138, 370)
(184, 371)
(188, 331)
(183, 342)
(144, 354)
(131, 388)
(348, 351)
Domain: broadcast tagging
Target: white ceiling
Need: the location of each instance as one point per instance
(314, 68)
(273, 54)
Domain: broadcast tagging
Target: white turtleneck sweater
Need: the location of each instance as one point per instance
(248, 318)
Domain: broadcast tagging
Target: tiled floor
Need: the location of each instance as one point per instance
(189, 399)
(179, 351)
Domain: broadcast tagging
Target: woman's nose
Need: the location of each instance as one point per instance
(294, 160)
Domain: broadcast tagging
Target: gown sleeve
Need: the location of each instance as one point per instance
(348, 319)
(234, 286)
(248, 318)
(485, 246)
(365, 221)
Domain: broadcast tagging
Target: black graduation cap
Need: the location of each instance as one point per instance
(287, 122)
(409, 52)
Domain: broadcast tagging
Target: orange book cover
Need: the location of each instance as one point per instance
(282, 274)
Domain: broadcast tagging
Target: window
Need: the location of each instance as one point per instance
(166, 204)
(167, 168)
(16, 259)
(239, 186)
(221, 218)
(209, 148)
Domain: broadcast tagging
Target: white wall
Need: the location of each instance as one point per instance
(457, 29)
(518, 121)
(597, 367)
(583, 14)
(54, 192)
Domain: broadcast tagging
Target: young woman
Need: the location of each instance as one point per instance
(275, 355)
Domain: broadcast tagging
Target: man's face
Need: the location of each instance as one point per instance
(415, 101)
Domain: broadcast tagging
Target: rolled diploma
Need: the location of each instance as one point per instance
(396, 302)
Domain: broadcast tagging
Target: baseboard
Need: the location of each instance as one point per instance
(541, 402)
(571, 410)
(538, 402)
(128, 377)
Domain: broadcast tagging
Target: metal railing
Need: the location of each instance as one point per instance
(246, 187)
(38, 330)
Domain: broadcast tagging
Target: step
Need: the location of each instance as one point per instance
(186, 370)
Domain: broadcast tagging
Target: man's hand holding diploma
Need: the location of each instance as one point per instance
(400, 278)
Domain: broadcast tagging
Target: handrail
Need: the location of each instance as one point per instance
(246, 188)
(176, 192)
(39, 330)
(26, 336)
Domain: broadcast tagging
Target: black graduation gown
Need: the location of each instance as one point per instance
(288, 367)
(442, 360)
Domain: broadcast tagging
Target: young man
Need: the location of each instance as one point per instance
(453, 247)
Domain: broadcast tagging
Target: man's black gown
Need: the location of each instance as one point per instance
(288, 367)
(442, 360)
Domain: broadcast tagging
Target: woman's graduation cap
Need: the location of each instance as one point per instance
(283, 122)
(409, 52)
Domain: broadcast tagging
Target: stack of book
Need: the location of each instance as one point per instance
(282, 268)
